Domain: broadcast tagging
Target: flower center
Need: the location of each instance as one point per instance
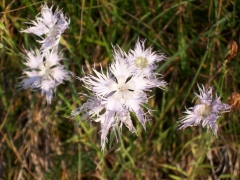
(45, 70)
(53, 31)
(121, 84)
(141, 62)
(203, 110)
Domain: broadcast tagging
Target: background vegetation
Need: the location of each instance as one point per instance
(39, 141)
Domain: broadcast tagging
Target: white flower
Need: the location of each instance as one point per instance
(44, 72)
(95, 110)
(143, 60)
(92, 107)
(50, 24)
(118, 87)
(116, 94)
(207, 112)
(119, 92)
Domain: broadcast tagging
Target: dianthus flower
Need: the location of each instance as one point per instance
(206, 112)
(44, 72)
(49, 26)
(122, 90)
(144, 60)
(116, 94)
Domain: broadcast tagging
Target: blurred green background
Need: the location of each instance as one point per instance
(39, 141)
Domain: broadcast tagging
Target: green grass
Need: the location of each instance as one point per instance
(39, 141)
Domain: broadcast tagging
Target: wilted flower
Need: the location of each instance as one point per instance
(234, 101)
(50, 24)
(232, 50)
(44, 72)
(206, 112)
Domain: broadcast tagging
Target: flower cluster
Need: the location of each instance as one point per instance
(119, 93)
(206, 112)
(122, 90)
(44, 70)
